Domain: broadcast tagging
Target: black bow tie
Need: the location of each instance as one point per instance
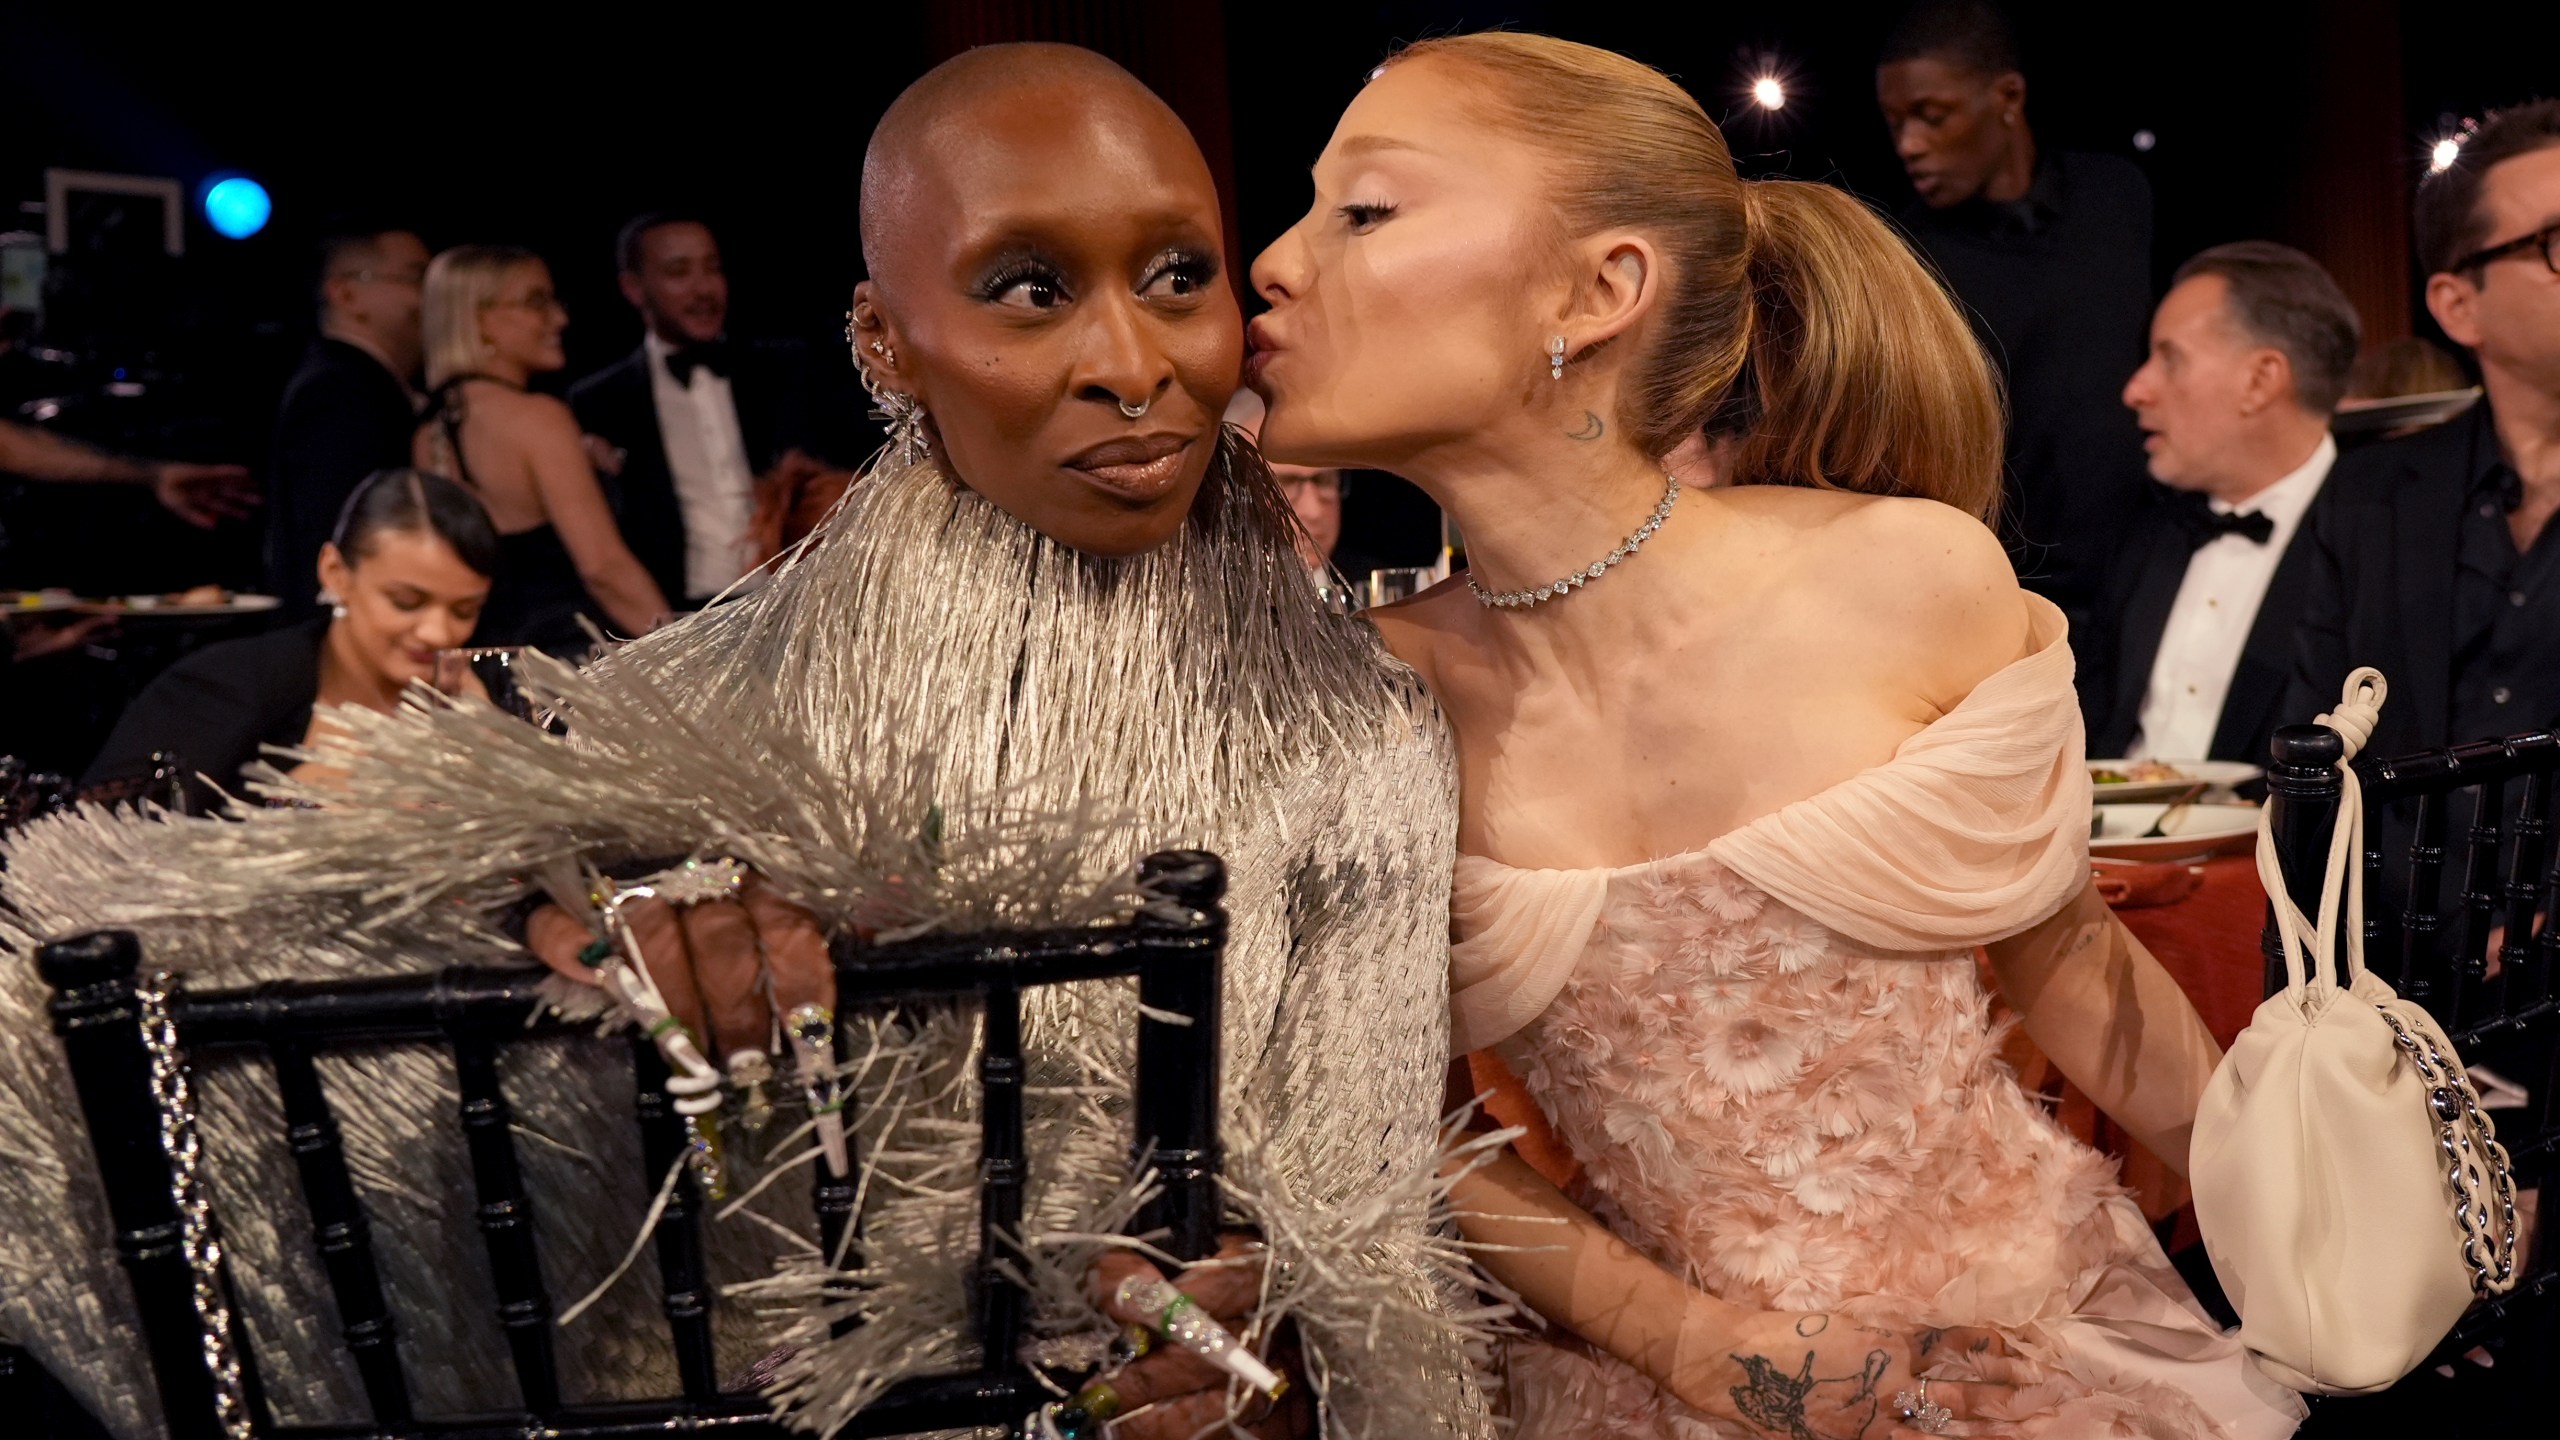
(2204, 524)
(711, 355)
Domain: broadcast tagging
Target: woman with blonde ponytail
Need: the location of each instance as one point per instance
(1746, 774)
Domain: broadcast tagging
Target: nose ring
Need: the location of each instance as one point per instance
(1134, 411)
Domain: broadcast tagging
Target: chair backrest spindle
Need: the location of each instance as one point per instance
(506, 1219)
(686, 1294)
(2304, 788)
(342, 1233)
(96, 1013)
(1000, 1154)
(2481, 890)
(1178, 1069)
(2419, 918)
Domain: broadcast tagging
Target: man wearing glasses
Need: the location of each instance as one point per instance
(351, 408)
(2436, 559)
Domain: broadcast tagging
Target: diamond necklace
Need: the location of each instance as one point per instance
(1523, 599)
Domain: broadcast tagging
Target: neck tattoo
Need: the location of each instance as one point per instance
(1526, 599)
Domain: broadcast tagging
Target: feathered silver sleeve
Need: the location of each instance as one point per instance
(1342, 1177)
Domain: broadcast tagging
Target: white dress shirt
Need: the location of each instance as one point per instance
(2209, 623)
(707, 456)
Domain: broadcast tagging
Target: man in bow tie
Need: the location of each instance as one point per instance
(709, 428)
(2250, 351)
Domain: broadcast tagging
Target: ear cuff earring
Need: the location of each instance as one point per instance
(1555, 357)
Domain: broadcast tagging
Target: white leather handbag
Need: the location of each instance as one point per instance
(2353, 1196)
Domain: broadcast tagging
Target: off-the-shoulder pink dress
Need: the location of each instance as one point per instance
(1775, 1064)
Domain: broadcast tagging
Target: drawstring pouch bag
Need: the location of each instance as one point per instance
(2353, 1196)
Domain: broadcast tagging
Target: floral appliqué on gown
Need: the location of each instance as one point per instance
(1777, 1069)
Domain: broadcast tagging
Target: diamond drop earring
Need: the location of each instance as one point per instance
(1555, 357)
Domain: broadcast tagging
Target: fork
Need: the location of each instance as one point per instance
(2160, 827)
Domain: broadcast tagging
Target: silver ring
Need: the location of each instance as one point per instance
(1918, 1413)
(1141, 409)
(700, 880)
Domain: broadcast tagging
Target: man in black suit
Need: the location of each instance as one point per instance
(2250, 350)
(350, 410)
(702, 421)
(2434, 558)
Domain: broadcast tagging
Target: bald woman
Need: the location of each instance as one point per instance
(1070, 631)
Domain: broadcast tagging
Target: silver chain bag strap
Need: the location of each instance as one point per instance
(172, 1097)
(2467, 1143)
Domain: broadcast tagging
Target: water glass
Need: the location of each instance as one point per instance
(1401, 582)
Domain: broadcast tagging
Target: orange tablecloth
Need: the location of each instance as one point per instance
(2208, 942)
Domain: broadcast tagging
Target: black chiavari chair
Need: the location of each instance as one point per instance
(1173, 945)
(2436, 948)
(27, 794)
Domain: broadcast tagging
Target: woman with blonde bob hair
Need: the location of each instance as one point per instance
(493, 322)
(1746, 774)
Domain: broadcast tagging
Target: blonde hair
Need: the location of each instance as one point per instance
(462, 283)
(1794, 320)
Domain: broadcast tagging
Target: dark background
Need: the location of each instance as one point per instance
(2296, 121)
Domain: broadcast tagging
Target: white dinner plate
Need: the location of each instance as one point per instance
(147, 606)
(2398, 412)
(37, 602)
(2219, 774)
(2197, 831)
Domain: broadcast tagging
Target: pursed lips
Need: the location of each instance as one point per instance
(1137, 467)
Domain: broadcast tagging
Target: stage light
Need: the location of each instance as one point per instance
(2447, 150)
(2143, 140)
(1769, 93)
(237, 207)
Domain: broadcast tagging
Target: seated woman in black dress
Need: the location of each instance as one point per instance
(493, 322)
(404, 575)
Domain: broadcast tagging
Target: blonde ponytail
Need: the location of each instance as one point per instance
(1793, 322)
(1860, 373)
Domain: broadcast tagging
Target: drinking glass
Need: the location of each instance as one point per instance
(493, 668)
(1401, 582)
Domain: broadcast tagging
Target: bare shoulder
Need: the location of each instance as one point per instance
(533, 425)
(1935, 579)
(1885, 539)
(1926, 551)
(1417, 630)
(1910, 578)
(523, 410)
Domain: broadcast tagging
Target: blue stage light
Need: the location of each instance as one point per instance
(238, 207)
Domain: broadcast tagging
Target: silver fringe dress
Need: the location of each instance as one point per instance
(931, 691)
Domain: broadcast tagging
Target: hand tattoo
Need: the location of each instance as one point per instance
(1591, 429)
(1775, 1400)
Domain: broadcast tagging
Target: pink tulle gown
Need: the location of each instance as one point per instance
(1775, 1064)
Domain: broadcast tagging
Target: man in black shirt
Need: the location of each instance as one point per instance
(2050, 254)
(2436, 559)
(349, 410)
